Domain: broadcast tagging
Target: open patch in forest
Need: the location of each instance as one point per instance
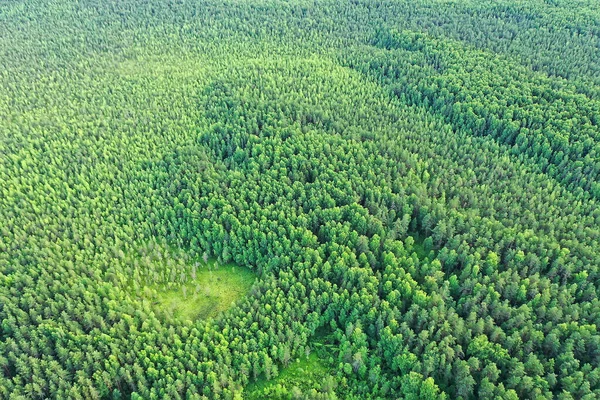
(420, 244)
(215, 289)
(308, 377)
(183, 286)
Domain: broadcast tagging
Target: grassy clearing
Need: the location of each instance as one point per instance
(308, 377)
(299, 377)
(419, 246)
(213, 291)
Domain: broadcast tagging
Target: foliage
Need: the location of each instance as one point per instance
(307, 377)
(419, 178)
(210, 290)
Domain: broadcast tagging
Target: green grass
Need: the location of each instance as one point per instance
(418, 246)
(212, 292)
(305, 373)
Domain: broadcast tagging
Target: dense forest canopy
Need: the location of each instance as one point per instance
(299, 199)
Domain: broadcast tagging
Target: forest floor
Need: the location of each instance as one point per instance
(212, 292)
(304, 373)
(419, 246)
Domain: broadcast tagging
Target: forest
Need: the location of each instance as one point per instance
(300, 199)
